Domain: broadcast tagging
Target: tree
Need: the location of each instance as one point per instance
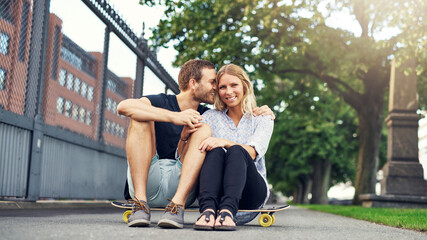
(313, 145)
(274, 39)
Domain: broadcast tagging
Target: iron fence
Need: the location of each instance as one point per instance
(59, 126)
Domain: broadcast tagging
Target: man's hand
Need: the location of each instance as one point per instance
(187, 117)
(264, 111)
(187, 131)
(211, 143)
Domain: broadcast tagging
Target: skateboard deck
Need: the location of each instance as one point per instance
(266, 218)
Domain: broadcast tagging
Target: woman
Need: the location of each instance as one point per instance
(233, 175)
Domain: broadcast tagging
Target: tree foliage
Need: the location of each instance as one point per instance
(309, 130)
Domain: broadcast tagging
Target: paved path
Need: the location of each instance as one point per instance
(105, 223)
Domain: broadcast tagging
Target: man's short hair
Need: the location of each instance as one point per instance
(192, 69)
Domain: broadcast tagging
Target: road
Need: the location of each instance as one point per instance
(105, 222)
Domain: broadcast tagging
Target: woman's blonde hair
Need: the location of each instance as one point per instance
(248, 102)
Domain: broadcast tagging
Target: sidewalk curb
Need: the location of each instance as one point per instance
(53, 204)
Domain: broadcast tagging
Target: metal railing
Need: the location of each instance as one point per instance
(60, 134)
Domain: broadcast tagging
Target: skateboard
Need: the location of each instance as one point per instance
(266, 219)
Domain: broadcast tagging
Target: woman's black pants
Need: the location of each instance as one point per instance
(230, 180)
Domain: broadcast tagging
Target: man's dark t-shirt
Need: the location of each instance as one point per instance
(168, 134)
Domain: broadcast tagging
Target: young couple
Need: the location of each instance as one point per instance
(170, 144)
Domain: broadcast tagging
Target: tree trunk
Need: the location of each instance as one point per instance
(370, 127)
(321, 180)
(307, 189)
(301, 193)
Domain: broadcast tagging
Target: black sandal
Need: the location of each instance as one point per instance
(207, 214)
(223, 215)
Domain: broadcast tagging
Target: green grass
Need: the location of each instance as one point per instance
(415, 219)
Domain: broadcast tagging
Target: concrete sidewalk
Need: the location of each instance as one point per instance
(101, 221)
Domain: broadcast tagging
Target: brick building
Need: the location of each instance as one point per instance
(73, 77)
(15, 27)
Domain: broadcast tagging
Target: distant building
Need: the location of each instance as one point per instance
(72, 87)
(422, 142)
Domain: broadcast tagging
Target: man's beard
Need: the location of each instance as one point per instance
(202, 96)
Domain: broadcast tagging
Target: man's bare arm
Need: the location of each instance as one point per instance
(142, 110)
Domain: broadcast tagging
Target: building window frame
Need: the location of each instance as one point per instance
(83, 89)
(88, 117)
(82, 114)
(62, 77)
(90, 93)
(60, 102)
(68, 105)
(3, 75)
(75, 112)
(6, 11)
(77, 84)
(70, 81)
(4, 43)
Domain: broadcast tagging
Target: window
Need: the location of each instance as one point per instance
(82, 114)
(77, 85)
(68, 105)
(6, 10)
(111, 85)
(83, 89)
(60, 105)
(114, 107)
(62, 76)
(75, 112)
(118, 130)
(2, 78)
(113, 128)
(4, 43)
(72, 58)
(70, 81)
(122, 132)
(107, 126)
(90, 93)
(89, 117)
(108, 104)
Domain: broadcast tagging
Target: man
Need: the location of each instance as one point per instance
(162, 145)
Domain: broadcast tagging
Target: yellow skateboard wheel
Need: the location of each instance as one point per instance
(126, 215)
(274, 219)
(265, 220)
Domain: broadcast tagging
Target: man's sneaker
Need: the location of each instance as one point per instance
(141, 214)
(173, 217)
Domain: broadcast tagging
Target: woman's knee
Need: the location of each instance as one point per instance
(237, 153)
(215, 153)
(236, 149)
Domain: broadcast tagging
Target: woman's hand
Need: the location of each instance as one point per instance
(211, 143)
